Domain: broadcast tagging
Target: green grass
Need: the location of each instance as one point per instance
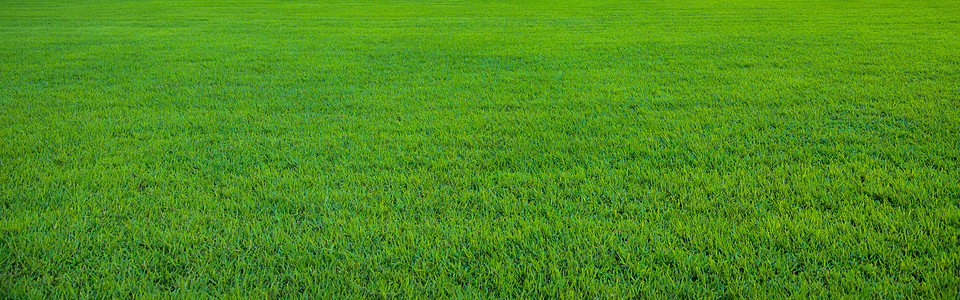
(491, 149)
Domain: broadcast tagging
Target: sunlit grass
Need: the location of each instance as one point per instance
(497, 149)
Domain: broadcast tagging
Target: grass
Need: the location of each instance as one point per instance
(480, 149)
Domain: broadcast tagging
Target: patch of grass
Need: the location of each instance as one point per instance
(503, 149)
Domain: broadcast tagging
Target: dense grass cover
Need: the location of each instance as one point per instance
(480, 149)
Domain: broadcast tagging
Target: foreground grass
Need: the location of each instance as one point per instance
(480, 149)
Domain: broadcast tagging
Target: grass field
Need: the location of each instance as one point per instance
(480, 149)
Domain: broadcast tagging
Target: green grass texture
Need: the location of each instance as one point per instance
(756, 149)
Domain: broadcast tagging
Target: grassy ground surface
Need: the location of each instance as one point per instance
(480, 148)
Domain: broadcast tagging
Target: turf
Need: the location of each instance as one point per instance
(480, 149)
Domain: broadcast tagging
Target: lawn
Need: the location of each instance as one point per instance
(480, 149)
